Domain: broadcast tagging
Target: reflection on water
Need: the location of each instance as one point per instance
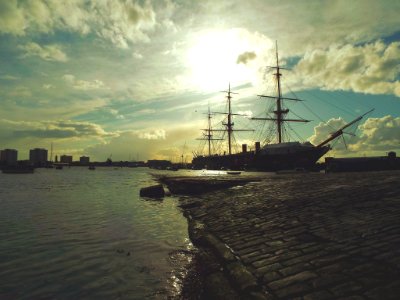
(75, 233)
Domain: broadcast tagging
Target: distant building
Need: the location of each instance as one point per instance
(66, 159)
(158, 164)
(363, 164)
(9, 157)
(84, 160)
(38, 157)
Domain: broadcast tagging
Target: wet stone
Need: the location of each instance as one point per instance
(293, 290)
(345, 289)
(319, 295)
(271, 276)
(269, 268)
(300, 277)
(319, 236)
(287, 271)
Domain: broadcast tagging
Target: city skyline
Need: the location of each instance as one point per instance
(134, 78)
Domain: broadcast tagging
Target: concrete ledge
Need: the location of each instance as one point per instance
(201, 185)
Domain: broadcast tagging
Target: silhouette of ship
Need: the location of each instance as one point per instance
(270, 157)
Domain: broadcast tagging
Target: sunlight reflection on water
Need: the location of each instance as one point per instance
(75, 233)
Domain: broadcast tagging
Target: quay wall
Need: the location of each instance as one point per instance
(312, 236)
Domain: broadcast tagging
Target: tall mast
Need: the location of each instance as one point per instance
(208, 136)
(279, 112)
(229, 125)
(209, 131)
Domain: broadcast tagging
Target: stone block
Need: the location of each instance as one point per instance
(154, 191)
(286, 281)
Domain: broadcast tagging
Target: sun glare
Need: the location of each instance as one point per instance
(213, 59)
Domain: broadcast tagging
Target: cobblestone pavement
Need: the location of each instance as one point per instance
(307, 236)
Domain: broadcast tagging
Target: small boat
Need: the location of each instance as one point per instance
(18, 170)
(92, 168)
(59, 167)
(233, 172)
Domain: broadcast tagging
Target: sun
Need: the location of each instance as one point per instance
(213, 58)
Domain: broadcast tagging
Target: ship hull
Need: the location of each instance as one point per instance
(262, 161)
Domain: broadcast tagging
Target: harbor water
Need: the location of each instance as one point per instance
(82, 234)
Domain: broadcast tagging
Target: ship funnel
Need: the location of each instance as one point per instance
(244, 148)
(257, 147)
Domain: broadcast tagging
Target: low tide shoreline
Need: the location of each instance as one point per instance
(314, 236)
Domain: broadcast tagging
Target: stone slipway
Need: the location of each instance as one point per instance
(300, 236)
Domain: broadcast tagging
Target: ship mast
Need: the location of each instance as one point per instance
(279, 112)
(208, 136)
(229, 124)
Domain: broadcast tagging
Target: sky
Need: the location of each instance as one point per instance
(133, 80)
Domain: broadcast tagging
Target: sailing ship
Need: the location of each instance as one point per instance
(270, 157)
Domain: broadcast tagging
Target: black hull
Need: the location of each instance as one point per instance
(262, 162)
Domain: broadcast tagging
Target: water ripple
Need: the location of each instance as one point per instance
(73, 234)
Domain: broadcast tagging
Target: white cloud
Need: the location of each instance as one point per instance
(379, 134)
(69, 137)
(54, 129)
(323, 130)
(137, 55)
(121, 22)
(371, 68)
(83, 84)
(12, 19)
(158, 134)
(247, 113)
(375, 136)
(132, 144)
(69, 78)
(8, 77)
(47, 52)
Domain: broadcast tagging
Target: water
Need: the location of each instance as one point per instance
(76, 233)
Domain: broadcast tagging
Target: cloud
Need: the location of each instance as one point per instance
(83, 84)
(246, 113)
(371, 68)
(20, 91)
(12, 19)
(246, 57)
(121, 22)
(134, 143)
(323, 130)
(54, 129)
(68, 136)
(375, 136)
(158, 134)
(48, 52)
(137, 55)
(379, 134)
(8, 77)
